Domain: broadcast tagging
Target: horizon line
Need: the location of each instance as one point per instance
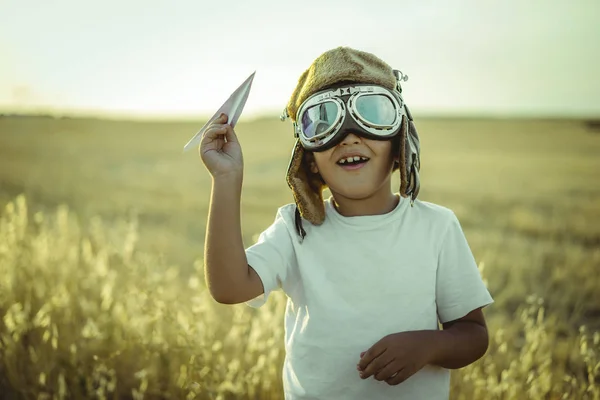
(255, 116)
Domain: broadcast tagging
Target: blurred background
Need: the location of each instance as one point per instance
(181, 59)
(103, 215)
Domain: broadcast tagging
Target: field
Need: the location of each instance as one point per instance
(101, 242)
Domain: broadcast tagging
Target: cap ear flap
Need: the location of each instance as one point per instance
(402, 160)
(413, 140)
(416, 183)
(410, 157)
(413, 164)
(307, 188)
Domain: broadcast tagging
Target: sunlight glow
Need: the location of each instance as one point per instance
(185, 58)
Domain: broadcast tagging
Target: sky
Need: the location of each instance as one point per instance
(181, 58)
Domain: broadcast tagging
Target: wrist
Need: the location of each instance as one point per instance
(230, 179)
(438, 344)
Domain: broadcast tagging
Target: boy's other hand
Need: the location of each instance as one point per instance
(398, 356)
(220, 149)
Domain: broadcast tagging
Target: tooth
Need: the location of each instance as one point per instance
(356, 158)
(343, 161)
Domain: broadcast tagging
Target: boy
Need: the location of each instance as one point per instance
(369, 274)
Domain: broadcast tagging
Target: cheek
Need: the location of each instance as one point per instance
(321, 160)
(383, 149)
(386, 147)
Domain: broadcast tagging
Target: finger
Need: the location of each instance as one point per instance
(214, 132)
(357, 365)
(230, 135)
(218, 121)
(376, 365)
(388, 371)
(221, 119)
(400, 377)
(375, 351)
(213, 139)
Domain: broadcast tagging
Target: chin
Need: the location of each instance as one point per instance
(356, 193)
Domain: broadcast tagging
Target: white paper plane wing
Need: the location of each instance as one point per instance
(233, 108)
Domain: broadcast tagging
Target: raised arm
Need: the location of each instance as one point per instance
(229, 278)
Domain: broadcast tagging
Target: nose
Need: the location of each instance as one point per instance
(349, 139)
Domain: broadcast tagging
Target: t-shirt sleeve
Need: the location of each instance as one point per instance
(459, 286)
(272, 257)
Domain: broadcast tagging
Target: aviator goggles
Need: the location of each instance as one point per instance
(326, 117)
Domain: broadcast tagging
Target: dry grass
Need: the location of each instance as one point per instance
(101, 289)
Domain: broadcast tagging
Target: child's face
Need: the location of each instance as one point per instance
(356, 181)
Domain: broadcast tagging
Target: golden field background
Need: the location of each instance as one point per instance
(101, 236)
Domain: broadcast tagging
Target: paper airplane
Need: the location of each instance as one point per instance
(232, 108)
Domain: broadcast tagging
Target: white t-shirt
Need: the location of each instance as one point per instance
(354, 280)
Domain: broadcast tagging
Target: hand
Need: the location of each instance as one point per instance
(398, 356)
(220, 149)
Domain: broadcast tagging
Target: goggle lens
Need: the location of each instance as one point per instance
(319, 118)
(376, 109)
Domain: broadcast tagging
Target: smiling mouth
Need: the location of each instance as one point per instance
(352, 163)
(353, 160)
